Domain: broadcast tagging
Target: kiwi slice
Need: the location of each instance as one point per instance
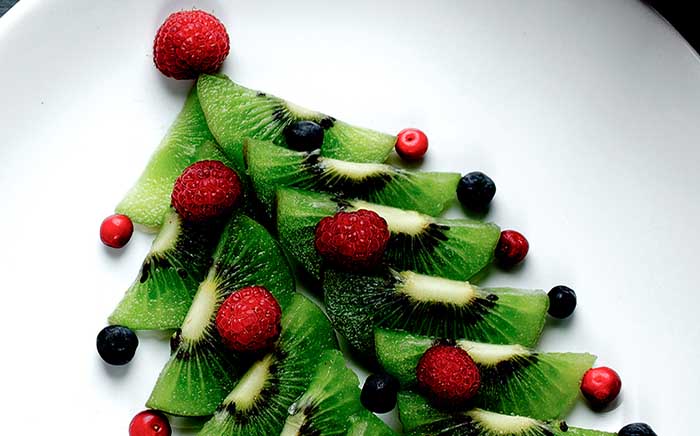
(148, 200)
(210, 150)
(420, 419)
(258, 405)
(433, 306)
(333, 396)
(163, 290)
(271, 167)
(367, 424)
(235, 113)
(514, 380)
(201, 371)
(451, 248)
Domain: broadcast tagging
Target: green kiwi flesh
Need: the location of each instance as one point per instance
(258, 405)
(367, 424)
(201, 371)
(419, 418)
(458, 249)
(148, 200)
(162, 293)
(271, 167)
(333, 396)
(434, 306)
(515, 380)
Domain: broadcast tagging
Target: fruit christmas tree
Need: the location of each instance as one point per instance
(251, 356)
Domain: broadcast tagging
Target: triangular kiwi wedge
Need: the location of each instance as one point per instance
(234, 113)
(419, 418)
(148, 200)
(271, 167)
(428, 305)
(515, 380)
(201, 371)
(258, 405)
(178, 260)
(453, 248)
(367, 424)
(332, 397)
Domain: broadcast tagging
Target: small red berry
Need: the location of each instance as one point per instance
(448, 375)
(149, 423)
(249, 320)
(189, 43)
(512, 248)
(601, 386)
(352, 240)
(411, 144)
(206, 189)
(116, 230)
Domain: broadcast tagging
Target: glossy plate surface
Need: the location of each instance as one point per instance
(584, 113)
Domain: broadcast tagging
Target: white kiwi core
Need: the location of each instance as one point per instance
(357, 171)
(435, 289)
(167, 237)
(399, 221)
(247, 391)
(490, 354)
(503, 424)
(202, 310)
(293, 424)
(302, 112)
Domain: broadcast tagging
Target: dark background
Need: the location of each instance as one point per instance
(5, 5)
(681, 13)
(684, 15)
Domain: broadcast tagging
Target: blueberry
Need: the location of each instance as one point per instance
(475, 191)
(304, 136)
(636, 429)
(117, 345)
(379, 393)
(562, 301)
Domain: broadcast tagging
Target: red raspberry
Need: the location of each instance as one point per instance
(352, 240)
(448, 375)
(189, 43)
(249, 320)
(601, 386)
(511, 249)
(206, 189)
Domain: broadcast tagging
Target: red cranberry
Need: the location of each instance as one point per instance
(149, 423)
(116, 230)
(601, 386)
(411, 144)
(512, 248)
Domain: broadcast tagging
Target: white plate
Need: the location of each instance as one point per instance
(585, 113)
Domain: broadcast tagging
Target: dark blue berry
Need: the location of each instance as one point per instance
(636, 429)
(475, 191)
(304, 136)
(562, 301)
(379, 393)
(117, 345)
